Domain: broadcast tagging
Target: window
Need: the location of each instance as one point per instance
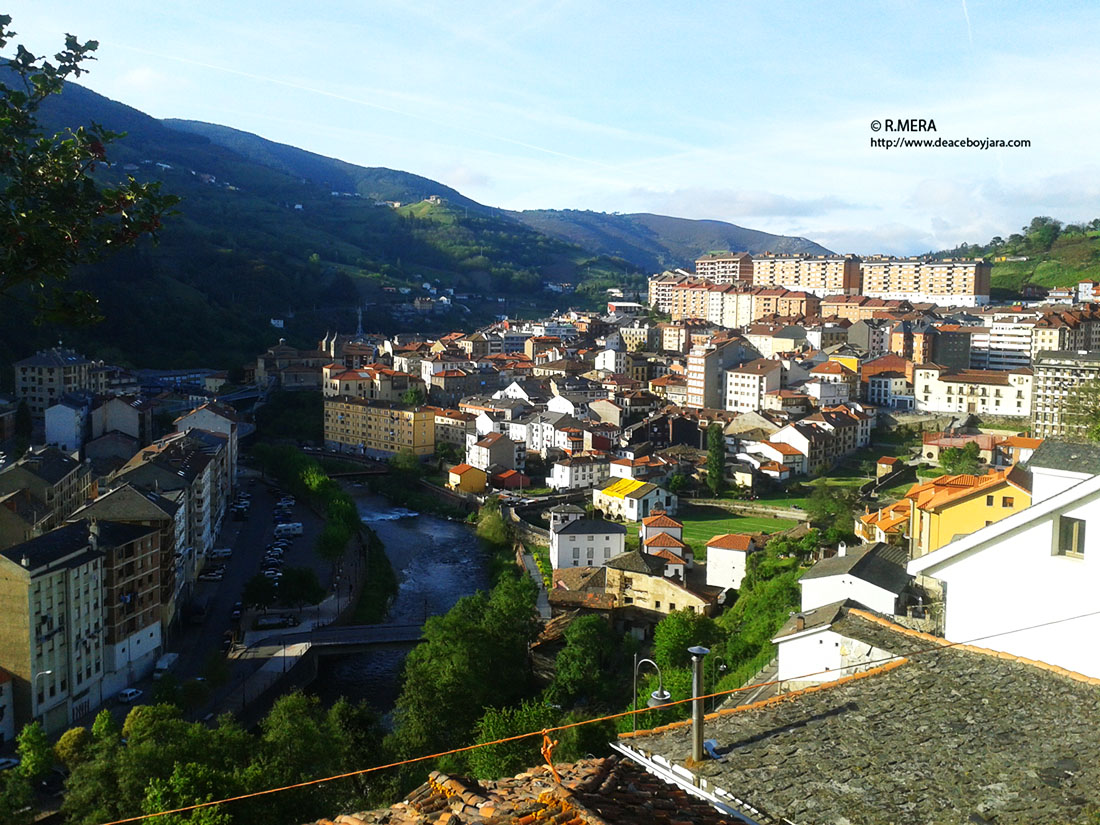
(1069, 537)
(1008, 501)
(989, 501)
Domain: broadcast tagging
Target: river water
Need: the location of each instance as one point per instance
(437, 562)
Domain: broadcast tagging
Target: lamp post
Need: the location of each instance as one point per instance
(657, 698)
(717, 671)
(34, 689)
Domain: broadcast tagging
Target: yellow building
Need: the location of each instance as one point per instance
(467, 479)
(947, 507)
(888, 524)
(378, 429)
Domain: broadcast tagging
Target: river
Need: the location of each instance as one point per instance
(437, 562)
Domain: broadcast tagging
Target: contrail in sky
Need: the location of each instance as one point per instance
(969, 33)
(370, 104)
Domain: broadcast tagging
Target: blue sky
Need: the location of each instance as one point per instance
(756, 113)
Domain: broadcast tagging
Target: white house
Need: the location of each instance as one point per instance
(727, 557)
(871, 574)
(574, 405)
(811, 652)
(576, 541)
(632, 500)
(67, 422)
(1027, 585)
(660, 523)
(578, 472)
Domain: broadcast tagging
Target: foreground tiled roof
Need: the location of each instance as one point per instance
(949, 734)
(610, 791)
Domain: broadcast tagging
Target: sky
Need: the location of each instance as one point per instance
(756, 113)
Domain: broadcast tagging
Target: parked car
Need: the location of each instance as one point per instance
(130, 695)
(8, 762)
(238, 608)
(212, 576)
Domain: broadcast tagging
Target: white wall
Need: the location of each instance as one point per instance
(575, 550)
(725, 568)
(829, 589)
(1017, 582)
(826, 654)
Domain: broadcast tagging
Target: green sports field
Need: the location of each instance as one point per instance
(703, 523)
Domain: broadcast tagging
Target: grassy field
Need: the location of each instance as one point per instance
(1071, 259)
(701, 524)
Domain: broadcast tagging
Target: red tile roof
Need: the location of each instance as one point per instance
(732, 541)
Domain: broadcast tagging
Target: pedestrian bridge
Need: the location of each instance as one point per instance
(348, 638)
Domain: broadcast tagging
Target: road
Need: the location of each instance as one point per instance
(200, 646)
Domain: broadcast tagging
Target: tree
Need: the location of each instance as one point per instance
(259, 591)
(56, 214)
(35, 753)
(72, 747)
(414, 396)
(1081, 410)
(582, 666)
(965, 459)
(299, 586)
(678, 631)
(677, 483)
(510, 758)
(716, 459)
(406, 461)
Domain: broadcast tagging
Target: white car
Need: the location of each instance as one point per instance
(129, 695)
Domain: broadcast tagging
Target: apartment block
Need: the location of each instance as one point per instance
(747, 384)
(58, 483)
(706, 365)
(49, 374)
(948, 282)
(1058, 375)
(937, 389)
(51, 638)
(821, 275)
(725, 267)
(378, 429)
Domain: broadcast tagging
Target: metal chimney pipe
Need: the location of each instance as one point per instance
(697, 654)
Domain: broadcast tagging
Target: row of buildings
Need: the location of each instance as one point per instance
(952, 282)
(98, 568)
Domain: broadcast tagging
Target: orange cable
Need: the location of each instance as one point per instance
(546, 731)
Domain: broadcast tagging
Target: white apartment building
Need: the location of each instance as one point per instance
(1003, 345)
(1057, 377)
(940, 390)
(706, 364)
(747, 384)
(579, 472)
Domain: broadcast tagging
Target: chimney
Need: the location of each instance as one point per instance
(93, 534)
(842, 549)
(25, 561)
(697, 654)
(799, 623)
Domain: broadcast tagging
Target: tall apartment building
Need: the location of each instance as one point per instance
(860, 308)
(725, 267)
(1002, 345)
(378, 429)
(1057, 377)
(59, 483)
(706, 366)
(51, 636)
(747, 384)
(821, 275)
(50, 373)
(948, 282)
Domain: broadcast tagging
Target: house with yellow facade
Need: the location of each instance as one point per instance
(887, 525)
(378, 429)
(945, 508)
(467, 479)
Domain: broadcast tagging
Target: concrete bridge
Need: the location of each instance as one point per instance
(337, 640)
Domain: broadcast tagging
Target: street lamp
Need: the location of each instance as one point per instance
(697, 653)
(34, 688)
(657, 698)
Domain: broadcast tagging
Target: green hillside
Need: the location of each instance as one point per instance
(657, 242)
(1052, 254)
